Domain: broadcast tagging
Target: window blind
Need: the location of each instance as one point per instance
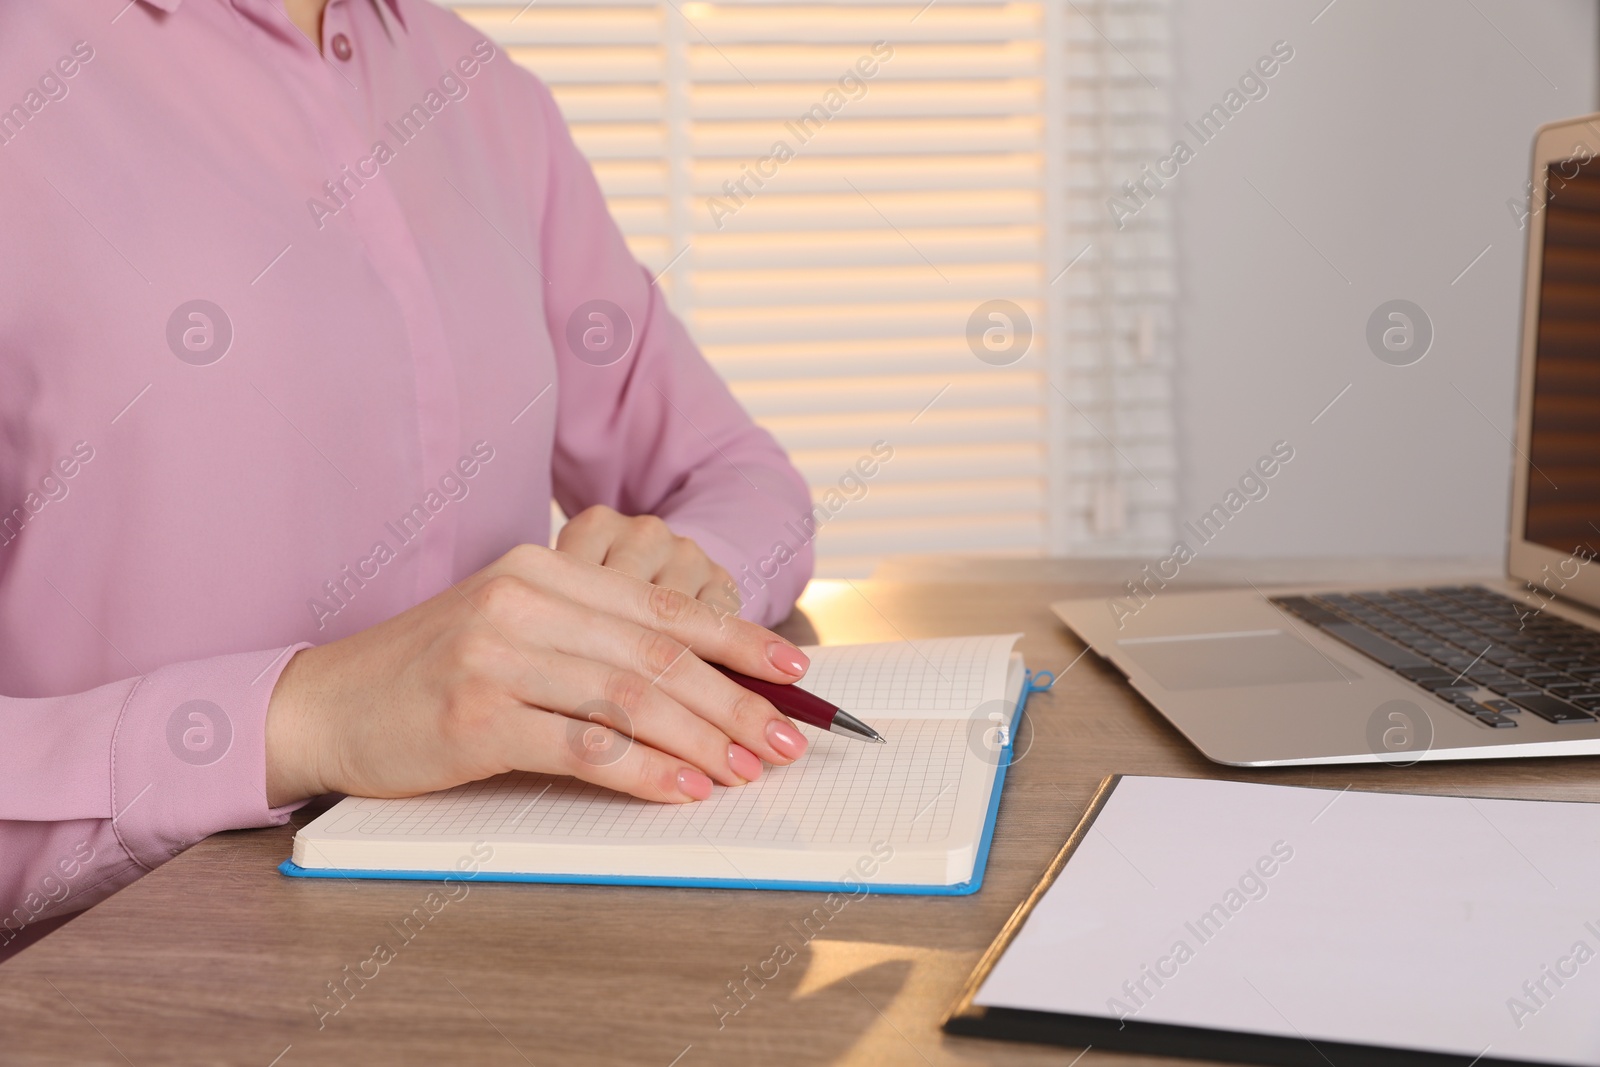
(836, 194)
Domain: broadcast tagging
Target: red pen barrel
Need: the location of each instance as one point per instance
(789, 699)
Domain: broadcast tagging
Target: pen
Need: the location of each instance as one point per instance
(807, 707)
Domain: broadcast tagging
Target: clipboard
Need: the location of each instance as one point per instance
(969, 1018)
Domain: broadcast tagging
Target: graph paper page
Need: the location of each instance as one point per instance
(842, 791)
(936, 678)
(927, 788)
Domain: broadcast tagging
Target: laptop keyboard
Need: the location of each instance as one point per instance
(1489, 655)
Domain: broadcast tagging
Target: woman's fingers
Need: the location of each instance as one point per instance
(640, 546)
(518, 615)
(613, 698)
(643, 549)
(554, 744)
(588, 534)
(686, 568)
(748, 718)
(720, 592)
(643, 546)
(542, 661)
(710, 633)
(668, 665)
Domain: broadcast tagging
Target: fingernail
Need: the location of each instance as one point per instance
(786, 739)
(744, 763)
(787, 658)
(694, 784)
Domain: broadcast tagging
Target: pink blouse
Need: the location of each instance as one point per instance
(288, 342)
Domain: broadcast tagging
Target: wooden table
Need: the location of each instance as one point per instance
(216, 958)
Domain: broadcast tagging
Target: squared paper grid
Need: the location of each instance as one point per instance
(931, 674)
(843, 791)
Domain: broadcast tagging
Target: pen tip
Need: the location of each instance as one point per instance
(880, 739)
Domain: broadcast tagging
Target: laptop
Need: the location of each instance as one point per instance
(1499, 668)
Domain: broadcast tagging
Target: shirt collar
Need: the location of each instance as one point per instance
(388, 11)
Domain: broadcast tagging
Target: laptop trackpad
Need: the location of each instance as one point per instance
(1230, 660)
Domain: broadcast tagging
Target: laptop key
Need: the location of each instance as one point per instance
(1486, 715)
(1445, 686)
(1553, 709)
(1418, 674)
(1365, 641)
(1307, 609)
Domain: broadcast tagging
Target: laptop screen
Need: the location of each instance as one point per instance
(1563, 476)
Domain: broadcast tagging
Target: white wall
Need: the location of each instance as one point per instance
(1392, 141)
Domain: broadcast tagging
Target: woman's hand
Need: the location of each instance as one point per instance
(539, 662)
(643, 546)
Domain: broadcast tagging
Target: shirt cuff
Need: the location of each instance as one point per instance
(188, 757)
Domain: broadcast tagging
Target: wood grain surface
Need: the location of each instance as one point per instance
(217, 959)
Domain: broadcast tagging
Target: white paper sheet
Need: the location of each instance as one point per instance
(1386, 919)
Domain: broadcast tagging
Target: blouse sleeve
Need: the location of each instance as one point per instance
(100, 787)
(644, 424)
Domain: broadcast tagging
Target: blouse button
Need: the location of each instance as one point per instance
(341, 46)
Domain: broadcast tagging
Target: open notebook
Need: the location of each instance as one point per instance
(912, 816)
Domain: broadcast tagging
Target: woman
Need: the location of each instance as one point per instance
(307, 312)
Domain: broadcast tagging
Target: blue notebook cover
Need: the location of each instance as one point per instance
(1032, 683)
